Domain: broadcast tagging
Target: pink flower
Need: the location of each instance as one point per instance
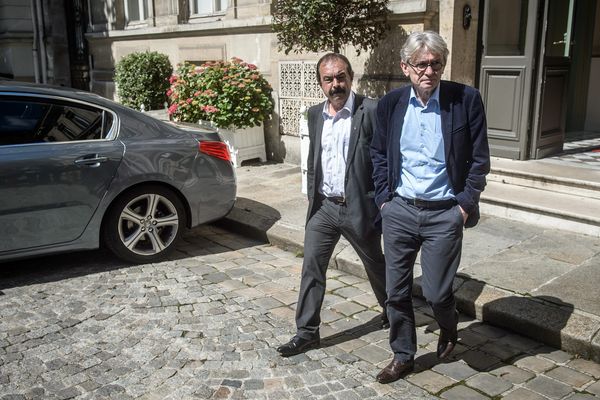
(173, 78)
(189, 100)
(252, 66)
(172, 109)
(169, 92)
(210, 109)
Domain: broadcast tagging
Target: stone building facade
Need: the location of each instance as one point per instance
(78, 42)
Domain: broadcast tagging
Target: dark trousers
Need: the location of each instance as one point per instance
(438, 234)
(321, 234)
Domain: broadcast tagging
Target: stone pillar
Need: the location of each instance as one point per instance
(461, 39)
(168, 12)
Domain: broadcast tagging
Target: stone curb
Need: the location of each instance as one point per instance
(545, 321)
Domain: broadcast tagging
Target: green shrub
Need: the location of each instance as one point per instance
(142, 79)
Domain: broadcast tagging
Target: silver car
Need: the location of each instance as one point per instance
(78, 171)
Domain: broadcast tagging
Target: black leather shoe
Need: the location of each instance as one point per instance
(385, 322)
(297, 345)
(394, 371)
(444, 348)
(447, 341)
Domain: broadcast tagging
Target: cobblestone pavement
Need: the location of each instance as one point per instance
(205, 324)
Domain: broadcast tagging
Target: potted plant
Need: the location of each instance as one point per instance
(142, 80)
(232, 95)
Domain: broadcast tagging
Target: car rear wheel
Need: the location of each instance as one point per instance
(145, 224)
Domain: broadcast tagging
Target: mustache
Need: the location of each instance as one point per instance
(337, 90)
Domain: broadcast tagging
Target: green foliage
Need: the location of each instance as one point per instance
(142, 79)
(326, 25)
(227, 93)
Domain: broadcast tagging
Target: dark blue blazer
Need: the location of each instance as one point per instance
(466, 148)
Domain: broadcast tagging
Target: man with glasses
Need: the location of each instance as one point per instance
(430, 159)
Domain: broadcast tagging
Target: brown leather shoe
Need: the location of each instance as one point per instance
(394, 371)
(447, 341)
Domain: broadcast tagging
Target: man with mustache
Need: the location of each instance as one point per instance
(340, 195)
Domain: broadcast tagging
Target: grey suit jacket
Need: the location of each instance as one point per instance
(359, 188)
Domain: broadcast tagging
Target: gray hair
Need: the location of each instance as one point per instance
(427, 40)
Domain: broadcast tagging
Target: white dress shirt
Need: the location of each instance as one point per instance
(334, 148)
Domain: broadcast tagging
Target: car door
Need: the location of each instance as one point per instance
(57, 159)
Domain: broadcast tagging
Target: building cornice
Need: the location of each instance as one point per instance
(208, 28)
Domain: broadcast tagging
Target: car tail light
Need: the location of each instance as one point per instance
(215, 149)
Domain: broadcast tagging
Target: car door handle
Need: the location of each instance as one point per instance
(92, 160)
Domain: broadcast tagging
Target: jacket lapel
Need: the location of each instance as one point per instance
(446, 117)
(398, 118)
(357, 117)
(317, 144)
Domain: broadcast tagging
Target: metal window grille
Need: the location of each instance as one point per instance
(298, 87)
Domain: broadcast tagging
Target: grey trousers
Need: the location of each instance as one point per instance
(321, 234)
(438, 234)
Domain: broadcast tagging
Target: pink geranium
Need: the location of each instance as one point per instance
(229, 94)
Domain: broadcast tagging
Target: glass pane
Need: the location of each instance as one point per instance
(20, 120)
(107, 124)
(133, 10)
(507, 23)
(98, 12)
(204, 6)
(222, 5)
(558, 35)
(74, 123)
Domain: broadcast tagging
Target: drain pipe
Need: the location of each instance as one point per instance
(42, 41)
(34, 47)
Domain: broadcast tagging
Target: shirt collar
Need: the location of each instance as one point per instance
(434, 96)
(348, 106)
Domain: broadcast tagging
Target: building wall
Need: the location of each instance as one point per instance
(242, 30)
(461, 39)
(16, 38)
(20, 53)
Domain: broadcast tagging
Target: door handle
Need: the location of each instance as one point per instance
(92, 160)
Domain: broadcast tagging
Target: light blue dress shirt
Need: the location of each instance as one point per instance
(423, 174)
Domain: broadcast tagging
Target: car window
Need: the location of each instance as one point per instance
(25, 121)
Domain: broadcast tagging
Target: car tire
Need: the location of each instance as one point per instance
(144, 224)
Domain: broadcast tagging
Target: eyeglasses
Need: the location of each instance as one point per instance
(422, 66)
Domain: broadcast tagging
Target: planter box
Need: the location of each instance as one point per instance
(245, 144)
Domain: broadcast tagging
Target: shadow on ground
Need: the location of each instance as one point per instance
(484, 347)
(250, 218)
(202, 240)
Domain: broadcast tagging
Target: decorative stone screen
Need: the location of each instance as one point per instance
(298, 88)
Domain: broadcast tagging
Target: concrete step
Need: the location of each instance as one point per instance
(541, 207)
(545, 175)
(549, 195)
